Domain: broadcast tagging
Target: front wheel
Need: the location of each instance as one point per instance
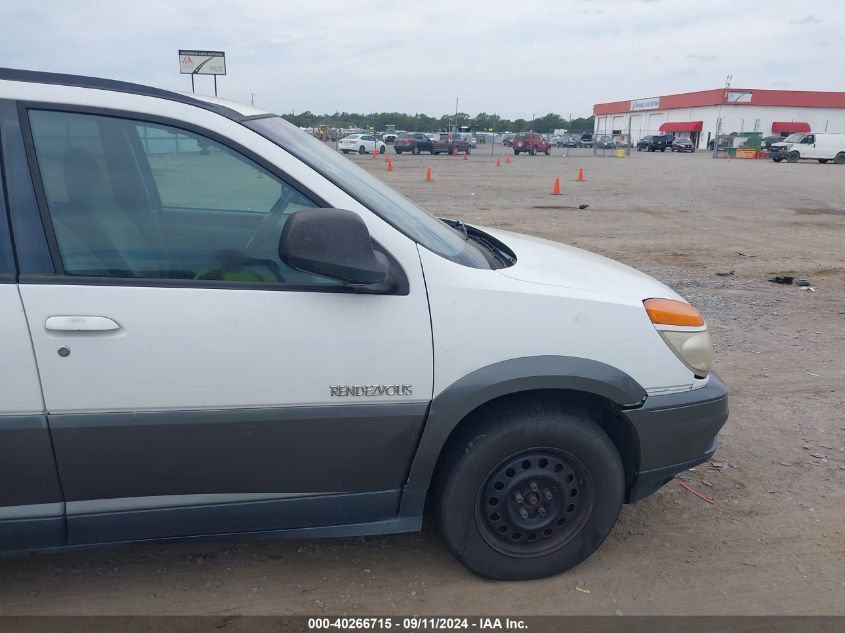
(529, 492)
(381, 149)
(792, 157)
(516, 152)
(839, 159)
(777, 160)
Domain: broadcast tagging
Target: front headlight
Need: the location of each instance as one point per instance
(694, 349)
(683, 329)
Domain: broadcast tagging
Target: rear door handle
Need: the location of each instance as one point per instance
(80, 324)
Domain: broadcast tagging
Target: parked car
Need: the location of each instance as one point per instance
(603, 141)
(449, 142)
(819, 146)
(531, 143)
(682, 145)
(204, 347)
(389, 137)
(361, 143)
(507, 140)
(569, 140)
(655, 143)
(586, 140)
(413, 142)
(768, 140)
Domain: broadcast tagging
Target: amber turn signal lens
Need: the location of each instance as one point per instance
(672, 312)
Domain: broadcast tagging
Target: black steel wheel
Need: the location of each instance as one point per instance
(534, 501)
(529, 491)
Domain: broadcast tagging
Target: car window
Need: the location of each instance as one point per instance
(373, 193)
(133, 199)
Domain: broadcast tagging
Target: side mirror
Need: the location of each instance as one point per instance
(333, 243)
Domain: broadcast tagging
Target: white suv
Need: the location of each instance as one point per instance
(212, 323)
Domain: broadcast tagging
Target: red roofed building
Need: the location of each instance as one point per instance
(697, 114)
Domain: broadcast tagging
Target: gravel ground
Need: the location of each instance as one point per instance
(771, 543)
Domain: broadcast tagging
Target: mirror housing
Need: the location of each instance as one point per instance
(332, 243)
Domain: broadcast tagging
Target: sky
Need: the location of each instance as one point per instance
(515, 59)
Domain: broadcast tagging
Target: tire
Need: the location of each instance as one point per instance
(823, 160)
(793, 157)
(516, 152)
(839, 159)
(345, 151)
(662, 149)
(490, 514)
(777, 160)
(362, 150)
(382, 149)
(397, 150)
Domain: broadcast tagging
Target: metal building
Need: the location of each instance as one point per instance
(702, 115)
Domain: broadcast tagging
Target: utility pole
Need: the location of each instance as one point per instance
(719, 114)
(252, 98)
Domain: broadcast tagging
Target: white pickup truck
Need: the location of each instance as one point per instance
(821, 147)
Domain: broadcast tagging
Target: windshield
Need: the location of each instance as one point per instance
(388, 204)
(793, 138)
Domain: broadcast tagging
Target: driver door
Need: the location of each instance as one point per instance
(187, 371)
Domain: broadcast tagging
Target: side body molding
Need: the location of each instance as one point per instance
(508, 377)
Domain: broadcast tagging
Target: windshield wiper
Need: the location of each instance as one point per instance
(463, 229)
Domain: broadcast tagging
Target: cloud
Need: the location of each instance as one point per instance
(384, 55)
(807, 19)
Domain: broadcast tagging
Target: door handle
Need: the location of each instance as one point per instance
(80, 324)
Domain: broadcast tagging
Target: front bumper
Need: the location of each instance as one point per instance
(674, 433)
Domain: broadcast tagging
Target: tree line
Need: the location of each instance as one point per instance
(425, 123)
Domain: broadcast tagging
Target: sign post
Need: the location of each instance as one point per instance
(194, 62)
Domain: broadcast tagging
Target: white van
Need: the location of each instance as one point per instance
(822, 147)
(213, 324)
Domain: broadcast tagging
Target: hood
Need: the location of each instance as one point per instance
(549, 263)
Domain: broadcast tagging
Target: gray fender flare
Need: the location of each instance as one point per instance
(508, 377)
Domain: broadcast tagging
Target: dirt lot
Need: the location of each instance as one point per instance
(772, 543)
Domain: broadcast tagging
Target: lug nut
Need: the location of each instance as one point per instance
(518, 498)
(541, 511)
(547, 495)
(523, 513)
(533, 486)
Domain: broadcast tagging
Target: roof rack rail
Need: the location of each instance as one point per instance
(81, 81)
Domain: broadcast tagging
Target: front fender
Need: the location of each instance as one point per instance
(508, 377)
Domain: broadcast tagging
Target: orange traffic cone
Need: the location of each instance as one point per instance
(508, 159)
(466, 155)
(428, 174)
(389, 165)
(556, 188)
(498, 162)
(580, 174)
